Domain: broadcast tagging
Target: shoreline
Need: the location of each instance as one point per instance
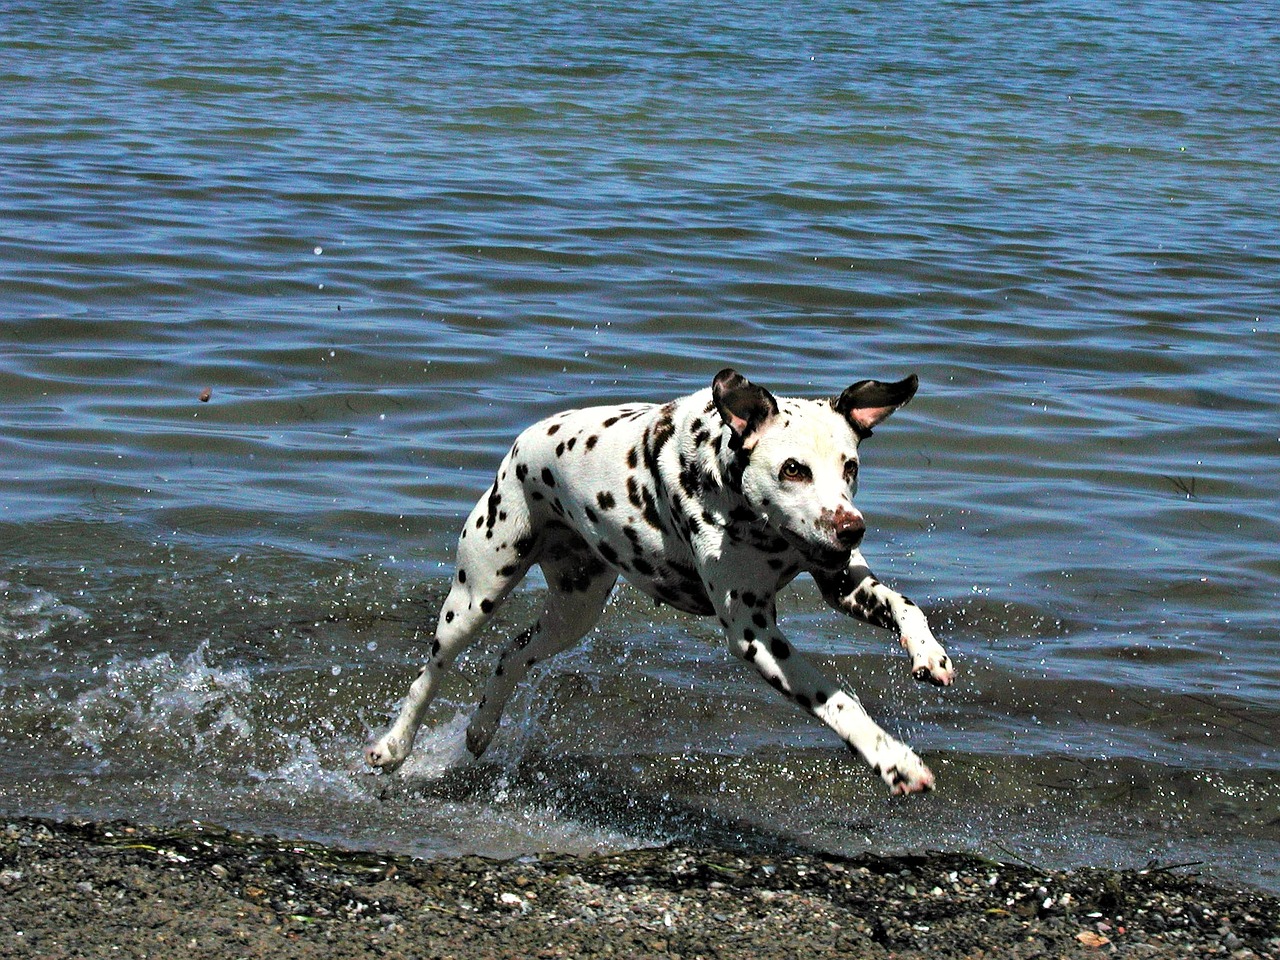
(89, 889)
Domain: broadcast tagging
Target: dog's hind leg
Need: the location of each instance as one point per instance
(578, 584)
(489, 566)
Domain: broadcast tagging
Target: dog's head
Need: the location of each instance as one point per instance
(799, 459)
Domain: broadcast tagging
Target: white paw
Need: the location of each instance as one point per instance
(387, 753)
(931, 664)
(906, 773)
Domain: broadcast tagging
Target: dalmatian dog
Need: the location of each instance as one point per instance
(711, 503)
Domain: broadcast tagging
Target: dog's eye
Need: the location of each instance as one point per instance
(850, 471)
(794, 470)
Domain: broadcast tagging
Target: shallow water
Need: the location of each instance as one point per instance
(385, 241)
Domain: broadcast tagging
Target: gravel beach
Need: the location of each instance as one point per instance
(122, 890)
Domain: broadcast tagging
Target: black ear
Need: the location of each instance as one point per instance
(745, 408)
(868, 402)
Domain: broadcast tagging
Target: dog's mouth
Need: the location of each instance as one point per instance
(822, 556)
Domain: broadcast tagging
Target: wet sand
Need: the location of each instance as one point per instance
(123, 890)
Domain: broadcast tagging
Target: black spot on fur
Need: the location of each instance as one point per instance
(611, 421)
(560, 449)
(548, 477)
(686, 571)
(607, 552)
(591, 442)
(462, 576)
(759, 620)
(592, 517)
(522, 471)
(691, 480)
(662, 432)
(524, 545)
(651, 515)
(642, 566)
(633, 458)
(553, 430)
(448, 617)
(486, 606)
(779, 648)
(605, 499)
(508, 570)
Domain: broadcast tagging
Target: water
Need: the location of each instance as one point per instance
(384, 239)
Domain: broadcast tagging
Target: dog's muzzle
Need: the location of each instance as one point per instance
(848, 528)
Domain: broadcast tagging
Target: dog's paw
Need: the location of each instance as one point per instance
(936, 668)
(907, 774)
(386, 754)
(929, 662)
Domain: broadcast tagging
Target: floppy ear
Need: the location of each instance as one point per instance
(745, 408)
(868, 402)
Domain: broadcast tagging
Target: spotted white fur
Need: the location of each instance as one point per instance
(711, 503)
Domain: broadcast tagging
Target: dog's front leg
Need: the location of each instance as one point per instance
(855, 591)
(752, 631)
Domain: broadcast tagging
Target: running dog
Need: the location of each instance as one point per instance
(711, 503)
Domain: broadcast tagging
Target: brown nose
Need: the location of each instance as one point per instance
(849, 528)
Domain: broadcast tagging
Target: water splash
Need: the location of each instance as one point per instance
(162, 705)
(30, 614)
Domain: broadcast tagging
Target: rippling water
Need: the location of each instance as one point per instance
(382, 240)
